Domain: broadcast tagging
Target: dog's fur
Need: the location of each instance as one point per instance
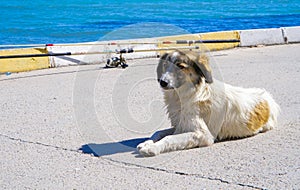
(203, 110)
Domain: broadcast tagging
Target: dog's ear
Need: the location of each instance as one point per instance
(202, 63)
(164, 56)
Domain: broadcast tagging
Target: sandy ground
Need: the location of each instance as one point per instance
(77, 128)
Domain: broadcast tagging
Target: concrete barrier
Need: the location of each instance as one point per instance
(247, 38)
(261, 37)
(291, 34)
(227, 35)
(100, 58)
(59, 61)
(23, 64)
(162, 45)
(137, 44)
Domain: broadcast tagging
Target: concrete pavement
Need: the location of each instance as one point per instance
(77, 128)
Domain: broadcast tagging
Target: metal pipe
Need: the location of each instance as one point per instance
(125, 43)
(129, 50)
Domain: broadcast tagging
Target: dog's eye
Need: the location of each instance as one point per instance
(182, 66)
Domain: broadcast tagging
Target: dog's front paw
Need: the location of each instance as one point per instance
(144, 144)
(148, 148)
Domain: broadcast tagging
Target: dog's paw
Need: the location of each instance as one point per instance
(144, 144)
(148, 149)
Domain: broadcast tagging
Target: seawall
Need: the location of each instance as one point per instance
(243, 38)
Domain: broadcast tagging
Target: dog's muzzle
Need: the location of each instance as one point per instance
(164, 84)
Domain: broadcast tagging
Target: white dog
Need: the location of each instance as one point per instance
(203, 110)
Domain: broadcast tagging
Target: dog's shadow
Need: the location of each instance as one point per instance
(112, 147)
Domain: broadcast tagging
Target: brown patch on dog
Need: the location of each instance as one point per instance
(204, 104)
(203, 59)
(205, 111)
(203, 64)
(259, 116)
(192, 76)
(183, 65)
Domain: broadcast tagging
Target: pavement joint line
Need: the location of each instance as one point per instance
(38, 143)
(131, 164)
(185, 174)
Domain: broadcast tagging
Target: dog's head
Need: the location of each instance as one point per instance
(180, 67)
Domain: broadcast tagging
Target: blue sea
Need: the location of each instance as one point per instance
(40, 21)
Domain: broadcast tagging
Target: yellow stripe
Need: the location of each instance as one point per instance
(28, 64)
(23, 64)
(228, 35)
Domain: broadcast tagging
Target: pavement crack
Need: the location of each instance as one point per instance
(184, 174)
(39, 143)
(135, 165)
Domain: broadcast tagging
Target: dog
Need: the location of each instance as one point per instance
(203, 110)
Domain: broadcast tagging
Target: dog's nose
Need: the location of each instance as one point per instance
(163, 83)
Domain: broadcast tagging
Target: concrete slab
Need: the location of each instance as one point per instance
(23, 64)
(77, 128)
(291, 34)
(261, 37)
(100, 46)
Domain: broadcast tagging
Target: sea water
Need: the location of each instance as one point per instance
(40, 21)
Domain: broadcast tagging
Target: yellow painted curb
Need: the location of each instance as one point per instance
(23, 64)
(227, 35)
(34, 63)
